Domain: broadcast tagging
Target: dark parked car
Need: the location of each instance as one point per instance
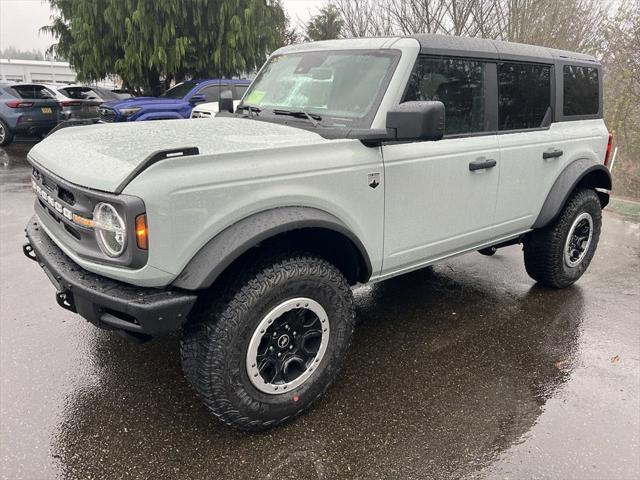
(26, 109)
(80, 102)
(176, 102)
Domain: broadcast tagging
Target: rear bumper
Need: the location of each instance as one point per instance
(33, 126)
(105, 302)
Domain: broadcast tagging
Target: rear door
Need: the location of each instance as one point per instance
(530, 148)
(436, 201)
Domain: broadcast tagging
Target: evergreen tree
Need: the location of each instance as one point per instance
(326, 25)
(151, 43)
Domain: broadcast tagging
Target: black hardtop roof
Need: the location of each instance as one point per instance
(433, 44)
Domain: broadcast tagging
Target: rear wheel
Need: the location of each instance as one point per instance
(6, 137)
(559, 254)
(275, 342)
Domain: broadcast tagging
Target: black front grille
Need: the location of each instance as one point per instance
(66, 196)
(106, 114)
(58, 202)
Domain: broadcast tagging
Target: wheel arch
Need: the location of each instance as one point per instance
(303, 228)
(583, 172)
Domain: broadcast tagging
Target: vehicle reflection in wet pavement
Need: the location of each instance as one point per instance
(464, 370)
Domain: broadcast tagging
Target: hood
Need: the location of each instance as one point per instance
(102, 156)
(142, 102)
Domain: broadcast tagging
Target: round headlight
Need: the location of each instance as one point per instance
(110, 229)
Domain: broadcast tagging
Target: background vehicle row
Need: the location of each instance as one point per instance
(175, 103)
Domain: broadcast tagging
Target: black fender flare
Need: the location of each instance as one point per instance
(227, 246)
(583, 171)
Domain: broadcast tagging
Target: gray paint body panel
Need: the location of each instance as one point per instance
(566, 182)
(103, 156)
(229, 245)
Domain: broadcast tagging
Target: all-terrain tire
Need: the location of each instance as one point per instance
(215, 341)
(544, 249)
(6, 137)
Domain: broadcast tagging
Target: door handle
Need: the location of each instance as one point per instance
(482, 163)
(552, 153)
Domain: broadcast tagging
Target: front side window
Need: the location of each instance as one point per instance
(212, 92)
(343, 87)
(524, 96)
(581, 96)
(458, 84)
(179, 91)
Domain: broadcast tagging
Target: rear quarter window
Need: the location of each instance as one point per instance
(580, 90)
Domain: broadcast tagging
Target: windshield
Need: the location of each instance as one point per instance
(179, 91)
(344, 87)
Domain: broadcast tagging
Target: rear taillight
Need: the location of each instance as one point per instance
(607, 155)
(19, 104)
(69, 103)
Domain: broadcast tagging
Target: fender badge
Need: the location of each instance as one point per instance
(373, 179)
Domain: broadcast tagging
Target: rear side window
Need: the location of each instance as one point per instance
(580, 90)
(240, 89)
(524, 96)
(458, 84)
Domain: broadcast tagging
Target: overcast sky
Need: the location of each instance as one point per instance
(20, 21)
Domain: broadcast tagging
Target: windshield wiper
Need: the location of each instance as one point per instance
(250, 108)
(312, 117)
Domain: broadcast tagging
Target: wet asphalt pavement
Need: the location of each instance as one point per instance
(463, 370)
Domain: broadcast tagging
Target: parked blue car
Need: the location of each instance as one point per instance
(176, 102)
(27, 110)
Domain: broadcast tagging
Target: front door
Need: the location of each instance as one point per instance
(440, 197)
(434, 204)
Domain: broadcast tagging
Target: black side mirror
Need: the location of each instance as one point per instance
(416, 121)
(197, 98)
(225, 104)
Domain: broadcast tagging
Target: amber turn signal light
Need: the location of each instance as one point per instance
(142, 233)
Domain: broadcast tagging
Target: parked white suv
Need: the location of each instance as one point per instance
(233, 91)
(347, 162)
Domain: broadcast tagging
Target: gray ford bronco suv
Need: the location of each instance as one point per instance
(347, 162)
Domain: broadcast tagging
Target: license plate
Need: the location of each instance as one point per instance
(46, 110)
(93, 108)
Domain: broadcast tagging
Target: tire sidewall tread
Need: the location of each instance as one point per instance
(214, 342)
(544, 248)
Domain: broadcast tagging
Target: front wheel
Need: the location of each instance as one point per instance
(559, 254)
(273, 345)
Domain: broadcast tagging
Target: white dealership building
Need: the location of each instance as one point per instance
(35, 71)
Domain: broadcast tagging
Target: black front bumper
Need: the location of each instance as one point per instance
(105, 302)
